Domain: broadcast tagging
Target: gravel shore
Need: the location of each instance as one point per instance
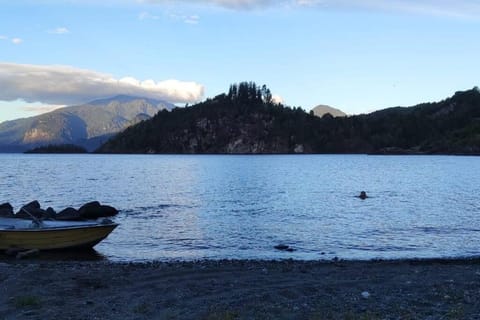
(406, 289)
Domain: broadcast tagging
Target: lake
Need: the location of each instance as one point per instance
(190, 207)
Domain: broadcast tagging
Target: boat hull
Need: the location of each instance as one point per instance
(55, 238)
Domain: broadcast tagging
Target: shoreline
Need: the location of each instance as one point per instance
(94, 256)
(241, 289)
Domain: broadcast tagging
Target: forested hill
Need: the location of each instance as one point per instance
(246, 120)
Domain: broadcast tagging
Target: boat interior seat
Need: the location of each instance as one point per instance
(7, 227)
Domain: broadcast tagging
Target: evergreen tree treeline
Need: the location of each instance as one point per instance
(245, 120)
(249, 92)
(58, 148)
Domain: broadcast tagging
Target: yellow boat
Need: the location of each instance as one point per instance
(52, 235)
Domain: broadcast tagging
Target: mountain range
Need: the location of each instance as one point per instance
(246, 122)
(87, 125)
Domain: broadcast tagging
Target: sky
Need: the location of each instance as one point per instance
(355, 55)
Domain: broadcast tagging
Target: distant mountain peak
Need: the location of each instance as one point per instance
(321, 110)
(87, 125)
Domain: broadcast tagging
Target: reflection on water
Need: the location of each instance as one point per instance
(194, 207)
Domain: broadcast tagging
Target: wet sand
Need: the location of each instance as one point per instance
(415, 289)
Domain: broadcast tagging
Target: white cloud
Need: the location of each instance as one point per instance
(277, 99)
(453, 8)
(230, 4)
(147, 16)
(38, 108)
(242, 4)
(64, 85)
(59, 30)
(189, 19)
(12, 40)
(305, 2)
(193, 19)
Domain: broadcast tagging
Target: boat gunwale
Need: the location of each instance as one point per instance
(60, 228)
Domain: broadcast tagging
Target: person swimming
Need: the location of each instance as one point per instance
(363, 195)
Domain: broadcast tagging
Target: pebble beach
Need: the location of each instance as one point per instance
(240, 289)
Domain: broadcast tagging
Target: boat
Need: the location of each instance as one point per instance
(22, 234)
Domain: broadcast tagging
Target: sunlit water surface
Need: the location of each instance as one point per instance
(239, 207)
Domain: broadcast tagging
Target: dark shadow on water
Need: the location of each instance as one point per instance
(62, 255)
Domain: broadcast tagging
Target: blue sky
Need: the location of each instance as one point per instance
(358, 56)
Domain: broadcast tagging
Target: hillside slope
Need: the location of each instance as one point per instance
(246, 123)
(87, 125)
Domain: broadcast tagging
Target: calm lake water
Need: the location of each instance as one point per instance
(193, 207)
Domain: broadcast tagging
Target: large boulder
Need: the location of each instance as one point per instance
(32, 205)
(68, 214)
(32, 208)
(50, 213)
(6, 210)
(108, 211)
(94, 210)
(90, 210)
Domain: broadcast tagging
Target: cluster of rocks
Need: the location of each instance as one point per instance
(90, 210)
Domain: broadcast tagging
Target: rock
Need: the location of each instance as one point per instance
(6, 210)
(23, 215)
(90, 210)
(38, 213)
(32, 205)
(281, 247)
(68, 214)
(90, 205)
(50, 212)
(94, 210)
(108, 211)
(298, 148)
(33, 208)
(284, 247)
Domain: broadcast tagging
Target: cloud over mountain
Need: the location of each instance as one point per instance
(63, 85)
